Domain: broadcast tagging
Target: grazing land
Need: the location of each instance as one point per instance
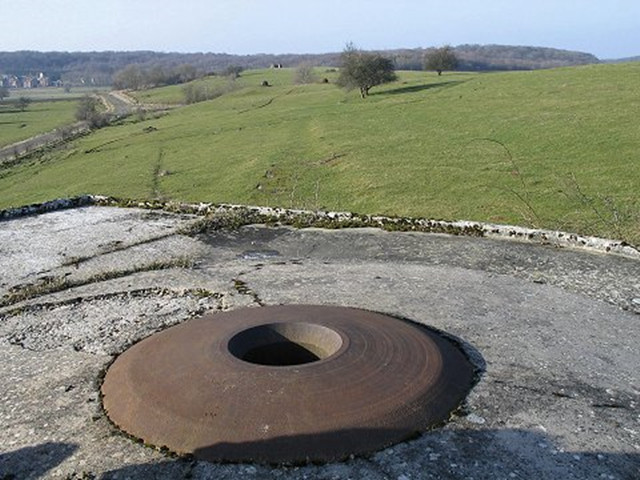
(38, 117)
(49, 108)
(53, 93)
(553, 149)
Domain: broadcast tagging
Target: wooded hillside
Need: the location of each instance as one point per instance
(98, 68)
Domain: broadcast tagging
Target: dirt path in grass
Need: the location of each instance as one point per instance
(117, 104)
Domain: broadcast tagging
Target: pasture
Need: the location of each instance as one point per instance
(555, 149)
(39, 117)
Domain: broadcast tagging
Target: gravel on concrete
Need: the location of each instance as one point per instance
(555, 332)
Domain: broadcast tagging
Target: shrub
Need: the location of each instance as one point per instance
(304, 74)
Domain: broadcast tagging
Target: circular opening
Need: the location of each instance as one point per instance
(285, 344)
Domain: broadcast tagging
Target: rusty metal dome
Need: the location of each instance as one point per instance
(286, 384)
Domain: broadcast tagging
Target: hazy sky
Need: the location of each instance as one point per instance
(606, 28)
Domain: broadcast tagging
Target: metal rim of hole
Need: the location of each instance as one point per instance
(373, 381)
(285, 344)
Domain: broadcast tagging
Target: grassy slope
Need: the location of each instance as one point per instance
(39, 117)
(555, 149)
(174, 95)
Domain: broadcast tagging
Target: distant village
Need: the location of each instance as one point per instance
(28, 81)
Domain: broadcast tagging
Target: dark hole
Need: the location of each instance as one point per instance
(280, 354)
(284, 344)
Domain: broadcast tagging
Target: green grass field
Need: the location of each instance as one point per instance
(54, 93)
(553, 149)
(39, 117)
(174, 95)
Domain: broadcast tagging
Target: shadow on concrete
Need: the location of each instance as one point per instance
(455, 454)
(34, 462)
(333, 446)
(420, 88)
(175, 469)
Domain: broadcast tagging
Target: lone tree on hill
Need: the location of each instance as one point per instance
(441, 59)
(304, 74)
(364, 70)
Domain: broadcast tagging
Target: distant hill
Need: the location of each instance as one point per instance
(500, 57)
(622, 60)
(98, 68)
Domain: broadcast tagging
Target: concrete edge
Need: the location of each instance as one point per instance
(247, 214)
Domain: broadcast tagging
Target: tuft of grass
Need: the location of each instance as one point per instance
(555, 149)
(50, 285)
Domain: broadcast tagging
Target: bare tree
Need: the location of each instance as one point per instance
(89, 110)
(364, 70)
(305, 74)
(187, 72)
(130, 77)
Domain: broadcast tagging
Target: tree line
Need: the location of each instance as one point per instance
(100, 68)
(136, 77)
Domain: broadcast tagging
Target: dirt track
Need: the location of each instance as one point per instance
(116, 104)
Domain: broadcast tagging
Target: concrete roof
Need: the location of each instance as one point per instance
(554, 330)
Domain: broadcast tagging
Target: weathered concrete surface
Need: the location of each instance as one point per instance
(556, 330)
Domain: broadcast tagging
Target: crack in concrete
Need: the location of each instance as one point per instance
(77, 261)
(107, 323)
(243, 289)
(140, 292)
(57, 284)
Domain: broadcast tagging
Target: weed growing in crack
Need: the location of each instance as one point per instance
(243, 289)
(56, 284)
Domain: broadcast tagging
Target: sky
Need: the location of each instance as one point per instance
(605, 28)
